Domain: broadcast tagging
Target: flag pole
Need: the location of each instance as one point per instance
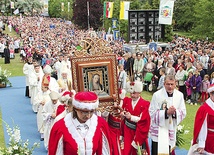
(103, 20)
(104, 11)
(88, 14)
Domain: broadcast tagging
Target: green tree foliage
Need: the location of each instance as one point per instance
(29, 6)
(5, 6)
(203, 25)
(55, 9)
(155, 4)
(195, 17)
(80, 13)
(189, 15)
(147, 6)
(184, 14)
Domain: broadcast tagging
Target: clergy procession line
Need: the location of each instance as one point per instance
(68, 122)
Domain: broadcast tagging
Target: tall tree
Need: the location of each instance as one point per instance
(203, 25)
(80, 13)
(54, 8)
(184, 14)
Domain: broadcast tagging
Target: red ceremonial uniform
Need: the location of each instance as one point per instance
(60, 109)
(115, 132)
(66, 140)
(203, 111)
(137, 132)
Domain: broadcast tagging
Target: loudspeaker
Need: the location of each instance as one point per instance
(133, 29)
(151, 28)
(141, 29)
(151, 21)
(133, 36)
(144, 25)
(133, 22)
(156, 21)
(141, 36)
(151, 14)
(141, 15)
(141, 21)
(133, 15)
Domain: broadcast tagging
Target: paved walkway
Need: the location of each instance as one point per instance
(16, 108)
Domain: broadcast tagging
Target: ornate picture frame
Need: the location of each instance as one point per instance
(97, 74)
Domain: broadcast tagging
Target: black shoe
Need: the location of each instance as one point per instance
(41, 139)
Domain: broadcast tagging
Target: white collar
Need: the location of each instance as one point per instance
(134, 102)
(85, 146)
(210, 103)
(77, 123)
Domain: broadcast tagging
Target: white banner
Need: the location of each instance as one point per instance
(45, 8)
(62, 6)
(12, 5)
(69, 6)
(16, 11)
(166, 11)
(124, 8)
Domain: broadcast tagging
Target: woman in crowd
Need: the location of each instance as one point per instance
(180, 79)
(195, 84)
(170, 70)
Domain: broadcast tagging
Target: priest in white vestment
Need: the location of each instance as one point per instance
(167, 110)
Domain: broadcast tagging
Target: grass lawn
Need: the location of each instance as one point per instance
(15, 66)
(188, 123)
(182, 33)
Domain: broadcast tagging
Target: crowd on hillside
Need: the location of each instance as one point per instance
(46, 45)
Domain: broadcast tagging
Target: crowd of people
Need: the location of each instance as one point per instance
(190, 62)
(68, 121)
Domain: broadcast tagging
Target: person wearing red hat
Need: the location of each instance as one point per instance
(203, 134)
(136, 122)
(81, 131)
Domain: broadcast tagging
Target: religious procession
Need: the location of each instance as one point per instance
(88, 88)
